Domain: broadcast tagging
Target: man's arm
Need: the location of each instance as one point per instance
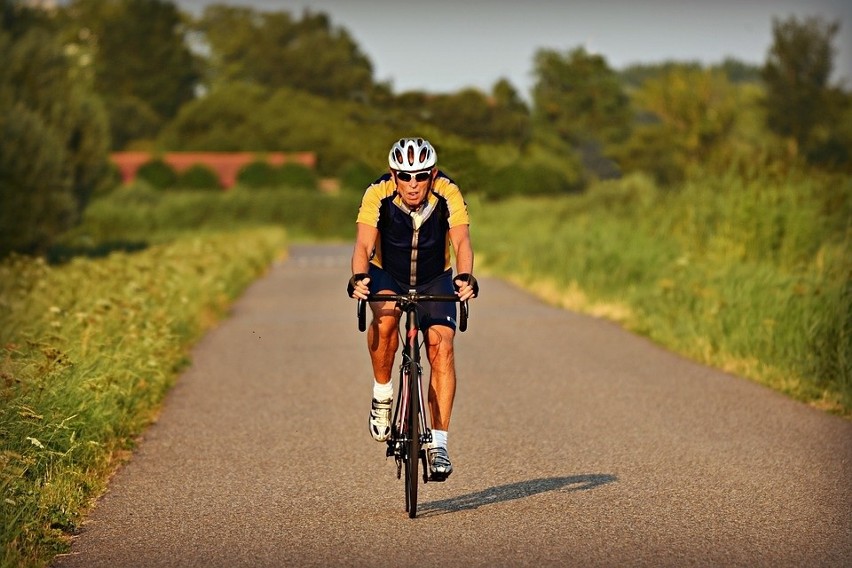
(365, 240)
(460, 237)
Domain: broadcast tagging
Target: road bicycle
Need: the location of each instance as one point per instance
(410, 431)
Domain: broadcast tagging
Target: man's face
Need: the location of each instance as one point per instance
(414, 186)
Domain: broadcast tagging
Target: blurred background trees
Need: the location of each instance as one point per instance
(53, 133)
(92, 75)
(141, 61)
(800, 102)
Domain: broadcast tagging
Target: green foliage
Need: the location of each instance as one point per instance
(257, 174)
(198, 176)
(688, 113)
(357, 176)
(88, 351)
(228, 119)
(579, 97)
(799, 101)
(274, 50)
(252, 118)
(53, 138)
(142, 64)
(296, 175)
(262, 174)
(471, 114)
(37, 204)
(132, 120)
(528, 179)
(138, 213)
(750, 275)
(157, 173)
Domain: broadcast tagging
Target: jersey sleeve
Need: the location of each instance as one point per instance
(371, 203)
(456, 204)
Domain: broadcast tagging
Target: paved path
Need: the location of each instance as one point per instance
(575, 444)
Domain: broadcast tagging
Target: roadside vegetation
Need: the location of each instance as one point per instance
(750, 276)
(89, 350)
(707, 207)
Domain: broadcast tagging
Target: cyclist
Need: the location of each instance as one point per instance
(407, 221)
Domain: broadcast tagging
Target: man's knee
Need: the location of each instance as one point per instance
(439, 341)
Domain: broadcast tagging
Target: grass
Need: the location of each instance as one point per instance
(748, 275)
(89, 349)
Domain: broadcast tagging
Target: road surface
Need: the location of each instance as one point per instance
(574, 443)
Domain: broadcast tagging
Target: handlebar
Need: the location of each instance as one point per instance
(412, 298)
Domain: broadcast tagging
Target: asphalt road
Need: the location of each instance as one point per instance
(574, 444)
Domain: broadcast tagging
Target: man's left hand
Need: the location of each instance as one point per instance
(466, 286)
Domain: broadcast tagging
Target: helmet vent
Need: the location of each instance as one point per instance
(412, 154)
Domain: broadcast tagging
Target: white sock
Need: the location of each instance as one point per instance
(439, 439)
(382, 391)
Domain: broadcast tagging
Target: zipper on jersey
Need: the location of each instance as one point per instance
(415, 237)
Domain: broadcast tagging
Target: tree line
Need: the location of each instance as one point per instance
(91, 76)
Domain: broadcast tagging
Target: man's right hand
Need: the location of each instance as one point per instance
(357, 287)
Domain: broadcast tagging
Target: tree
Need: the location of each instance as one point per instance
(53, 134)
(579, 102)
(579, 97)
(800, 103)
(685, 113)
(143, 67)
(273, 50)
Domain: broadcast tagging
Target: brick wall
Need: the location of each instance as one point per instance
(225, 164)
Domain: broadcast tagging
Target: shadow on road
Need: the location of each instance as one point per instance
(512, 491)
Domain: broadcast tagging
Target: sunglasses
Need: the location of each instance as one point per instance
(419, 176)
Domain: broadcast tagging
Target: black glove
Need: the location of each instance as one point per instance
(350, 289)
(467, 277)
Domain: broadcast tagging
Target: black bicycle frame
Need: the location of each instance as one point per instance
(402, 444)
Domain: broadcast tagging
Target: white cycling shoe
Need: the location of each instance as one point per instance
(380, 419)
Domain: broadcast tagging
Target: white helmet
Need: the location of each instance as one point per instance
(412, 155)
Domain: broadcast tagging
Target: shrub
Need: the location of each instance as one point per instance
(53, 136)
(520, 179)
(357, 176)
(157, 173)
(257, 174)
(199, 176)
(297, 175)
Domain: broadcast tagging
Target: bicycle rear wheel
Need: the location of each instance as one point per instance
(412, 458)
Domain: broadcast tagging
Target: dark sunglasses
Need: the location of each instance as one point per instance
(419, 176)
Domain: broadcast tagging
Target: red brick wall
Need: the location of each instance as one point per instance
(225, 164)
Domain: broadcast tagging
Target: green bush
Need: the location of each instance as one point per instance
(157, 173)
(138, 213)
(199, 176)
(523, 179)
(257, 174)
(53, 136)
(357, 176)
(111, 181)
(297, 175)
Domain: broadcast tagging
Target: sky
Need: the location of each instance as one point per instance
(448, 45)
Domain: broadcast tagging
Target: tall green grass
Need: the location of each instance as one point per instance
(751, 275)
(89, 349)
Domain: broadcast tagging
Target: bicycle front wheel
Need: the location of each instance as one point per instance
(413, 445)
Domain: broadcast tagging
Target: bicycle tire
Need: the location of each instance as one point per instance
(413, 450)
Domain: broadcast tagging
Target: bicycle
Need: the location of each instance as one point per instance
(409, 430)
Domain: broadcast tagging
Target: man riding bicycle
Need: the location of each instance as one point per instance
(407, 222)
